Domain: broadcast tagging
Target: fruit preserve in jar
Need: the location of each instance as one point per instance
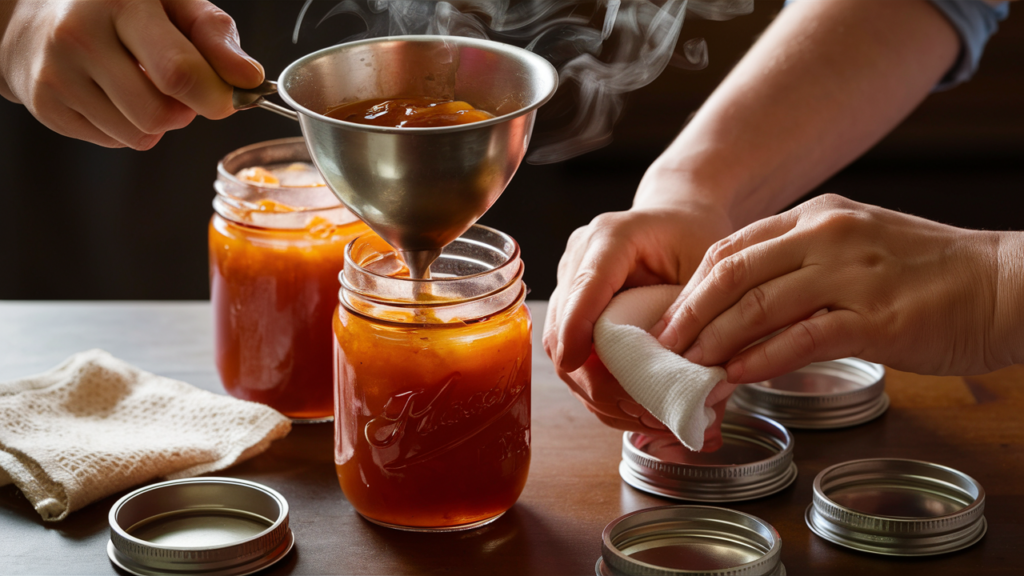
(432, 384)
(277, 243)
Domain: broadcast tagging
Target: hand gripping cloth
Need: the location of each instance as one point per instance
(670, 387)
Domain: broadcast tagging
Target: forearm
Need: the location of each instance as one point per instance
(1008, 312)
(826, 81)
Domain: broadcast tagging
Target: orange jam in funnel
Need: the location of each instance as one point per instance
(409, 112)
(433, 384)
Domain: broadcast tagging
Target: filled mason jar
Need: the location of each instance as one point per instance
(432, 383)
(277, 243)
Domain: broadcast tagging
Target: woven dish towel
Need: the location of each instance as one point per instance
(96, 425)
(670, 387)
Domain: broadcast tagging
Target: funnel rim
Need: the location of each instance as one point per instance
(282, 85)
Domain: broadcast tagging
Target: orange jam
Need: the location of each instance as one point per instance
(409, 112)
(433, 405)
(274, 287)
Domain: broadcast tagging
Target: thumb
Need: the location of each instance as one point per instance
(214, 34)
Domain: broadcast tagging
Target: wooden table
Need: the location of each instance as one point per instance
(972, 424)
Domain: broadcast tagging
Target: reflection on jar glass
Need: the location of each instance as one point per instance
(277, 242)
(432, 415)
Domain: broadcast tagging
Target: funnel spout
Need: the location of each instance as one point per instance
(419, 262)
(419, 188)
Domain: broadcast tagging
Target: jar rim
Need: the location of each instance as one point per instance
(477, 276)
(346, 286)
(241, 203)
(513, 304)
(513, 258)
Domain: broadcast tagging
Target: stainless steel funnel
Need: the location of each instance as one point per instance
(419, 188)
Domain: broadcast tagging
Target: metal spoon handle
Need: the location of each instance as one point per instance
(243, 99)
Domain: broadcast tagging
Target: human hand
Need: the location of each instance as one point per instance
(602, 394)
(837, 279)
(121, 74)
(638, 247)
(642, 246)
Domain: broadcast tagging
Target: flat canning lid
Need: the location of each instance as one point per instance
(755, 460)
(897, 507)
(213, 526)
(833, 394)
(678, 540)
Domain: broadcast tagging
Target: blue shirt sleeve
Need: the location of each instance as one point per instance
(975, 22)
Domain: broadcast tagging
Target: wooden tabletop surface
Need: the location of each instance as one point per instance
(972, 424)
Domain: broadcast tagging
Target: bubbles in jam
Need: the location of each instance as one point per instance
(409, 112)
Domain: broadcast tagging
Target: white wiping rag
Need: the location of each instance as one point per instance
(670, 387)
(96, 425)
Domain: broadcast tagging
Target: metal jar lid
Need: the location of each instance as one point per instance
(897, 507)
(755, 460)
(833, 394)
(690, 540)
(212, 526)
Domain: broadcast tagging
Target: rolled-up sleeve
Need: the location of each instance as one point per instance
(975, 22)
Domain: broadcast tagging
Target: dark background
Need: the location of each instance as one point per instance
(82, 222)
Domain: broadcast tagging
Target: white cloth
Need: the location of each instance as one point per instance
(96, 425)
(670, 387)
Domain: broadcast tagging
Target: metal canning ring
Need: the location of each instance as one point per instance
(823, 395)
(755, 460)
(897, 507)
(690, 540)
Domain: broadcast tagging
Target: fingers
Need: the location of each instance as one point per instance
(836, 334)
(720, 393)
(755, 233)
(61, 92)
(94, 105)
(759, 253)
(143, 112)
(602, 395)
(214, 34)
(601, 388)
(764, 309)
(170, 60)
(717, 400)
(713, 434)
(601, 273)
(567, 266)
(70, 123)
(550, 337)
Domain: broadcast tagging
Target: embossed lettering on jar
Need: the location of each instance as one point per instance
(277, 242)
(432, 384)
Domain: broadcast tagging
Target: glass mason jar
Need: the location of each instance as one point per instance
(275, 255)
(432, 384)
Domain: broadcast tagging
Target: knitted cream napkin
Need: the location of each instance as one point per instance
(670, 387)
(96, 425)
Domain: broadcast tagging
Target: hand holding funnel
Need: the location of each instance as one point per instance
(418, 188)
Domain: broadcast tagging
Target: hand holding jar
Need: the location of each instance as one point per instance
(120, 74)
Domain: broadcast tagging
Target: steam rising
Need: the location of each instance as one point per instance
(603, 50)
